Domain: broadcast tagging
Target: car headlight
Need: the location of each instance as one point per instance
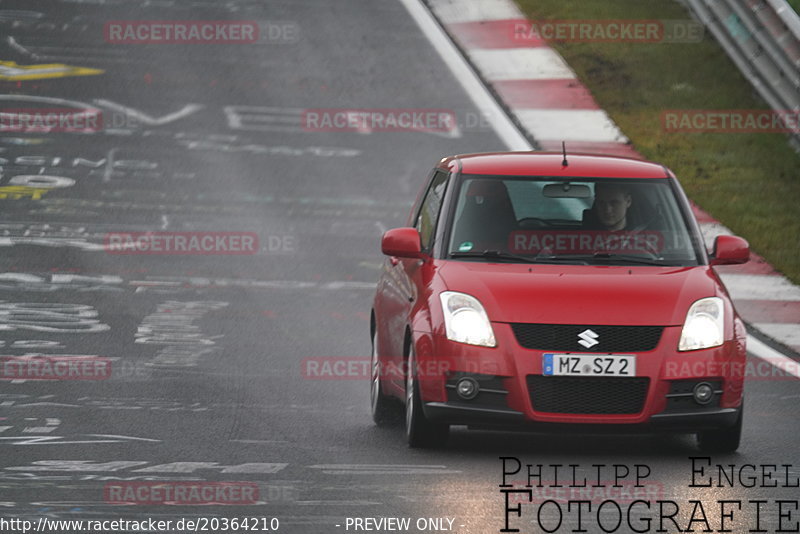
(704, 326)
(465, 320)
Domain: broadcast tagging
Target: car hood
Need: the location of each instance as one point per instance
(577, 294)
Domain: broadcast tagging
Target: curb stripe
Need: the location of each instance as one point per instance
(788, 334)
(570, 125)
(545, 94)
(456, 11)
(770, 311)
(757, 348)
(613, 148)
(494, 34)
(520, 64)
(760, 287)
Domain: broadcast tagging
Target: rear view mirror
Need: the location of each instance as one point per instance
(566, 190)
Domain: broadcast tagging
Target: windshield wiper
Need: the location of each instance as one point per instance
(629, 258)
(500, 255)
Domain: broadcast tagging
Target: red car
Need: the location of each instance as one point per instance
(549, 292)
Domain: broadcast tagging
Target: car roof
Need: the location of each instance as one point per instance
(550, 164)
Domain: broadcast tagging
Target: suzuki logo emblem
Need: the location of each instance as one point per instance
(588, 338)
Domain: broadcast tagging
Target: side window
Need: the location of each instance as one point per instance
(429, 210)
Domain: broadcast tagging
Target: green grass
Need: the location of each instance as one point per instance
(750, 182)
(795, 5)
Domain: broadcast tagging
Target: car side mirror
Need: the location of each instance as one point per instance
(730, 250)
(402, 243)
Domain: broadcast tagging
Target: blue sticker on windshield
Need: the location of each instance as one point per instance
(466, 246)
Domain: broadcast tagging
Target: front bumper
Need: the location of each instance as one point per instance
(508, 373)
(497, 419)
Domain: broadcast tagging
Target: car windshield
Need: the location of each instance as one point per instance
(597, 221)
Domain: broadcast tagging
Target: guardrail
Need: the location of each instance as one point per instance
(763, 38)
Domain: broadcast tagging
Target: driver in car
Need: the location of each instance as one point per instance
(611, 203)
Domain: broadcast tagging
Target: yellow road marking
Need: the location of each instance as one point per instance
(10, 71)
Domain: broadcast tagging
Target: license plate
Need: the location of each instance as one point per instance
(588, 365)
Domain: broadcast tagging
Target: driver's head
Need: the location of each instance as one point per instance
(611, 203)
(488, 192)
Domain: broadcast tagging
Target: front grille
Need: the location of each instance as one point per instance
(587, 395)
(564, 337)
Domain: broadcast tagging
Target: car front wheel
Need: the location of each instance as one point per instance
(384, 409)
(420, 432)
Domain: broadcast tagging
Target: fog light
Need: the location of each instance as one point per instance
(703, 393)
(467, 388)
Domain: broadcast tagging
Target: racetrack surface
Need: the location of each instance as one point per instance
(210, 138)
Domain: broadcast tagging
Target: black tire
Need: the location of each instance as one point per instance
(384, 410)
(420, 432)
(723, 440)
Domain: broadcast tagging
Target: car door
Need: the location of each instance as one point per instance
(407, 276)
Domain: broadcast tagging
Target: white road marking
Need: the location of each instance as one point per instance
(382, 469)
(786, 333)
(38, 404)
(463, 73)
(259, 441)
(21, 49)
(109, 170)
(57, 440)
(759, 349)
(336, 503)
(570, 125)
(90, 466)
(187, 110)
(760, 287)
(191, 467)
(75, 465)
(264, 118)
(521, 64)
(455, 11)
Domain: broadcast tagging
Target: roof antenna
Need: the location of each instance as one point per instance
(564, 161)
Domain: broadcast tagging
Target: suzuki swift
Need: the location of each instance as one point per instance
(555, 292)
